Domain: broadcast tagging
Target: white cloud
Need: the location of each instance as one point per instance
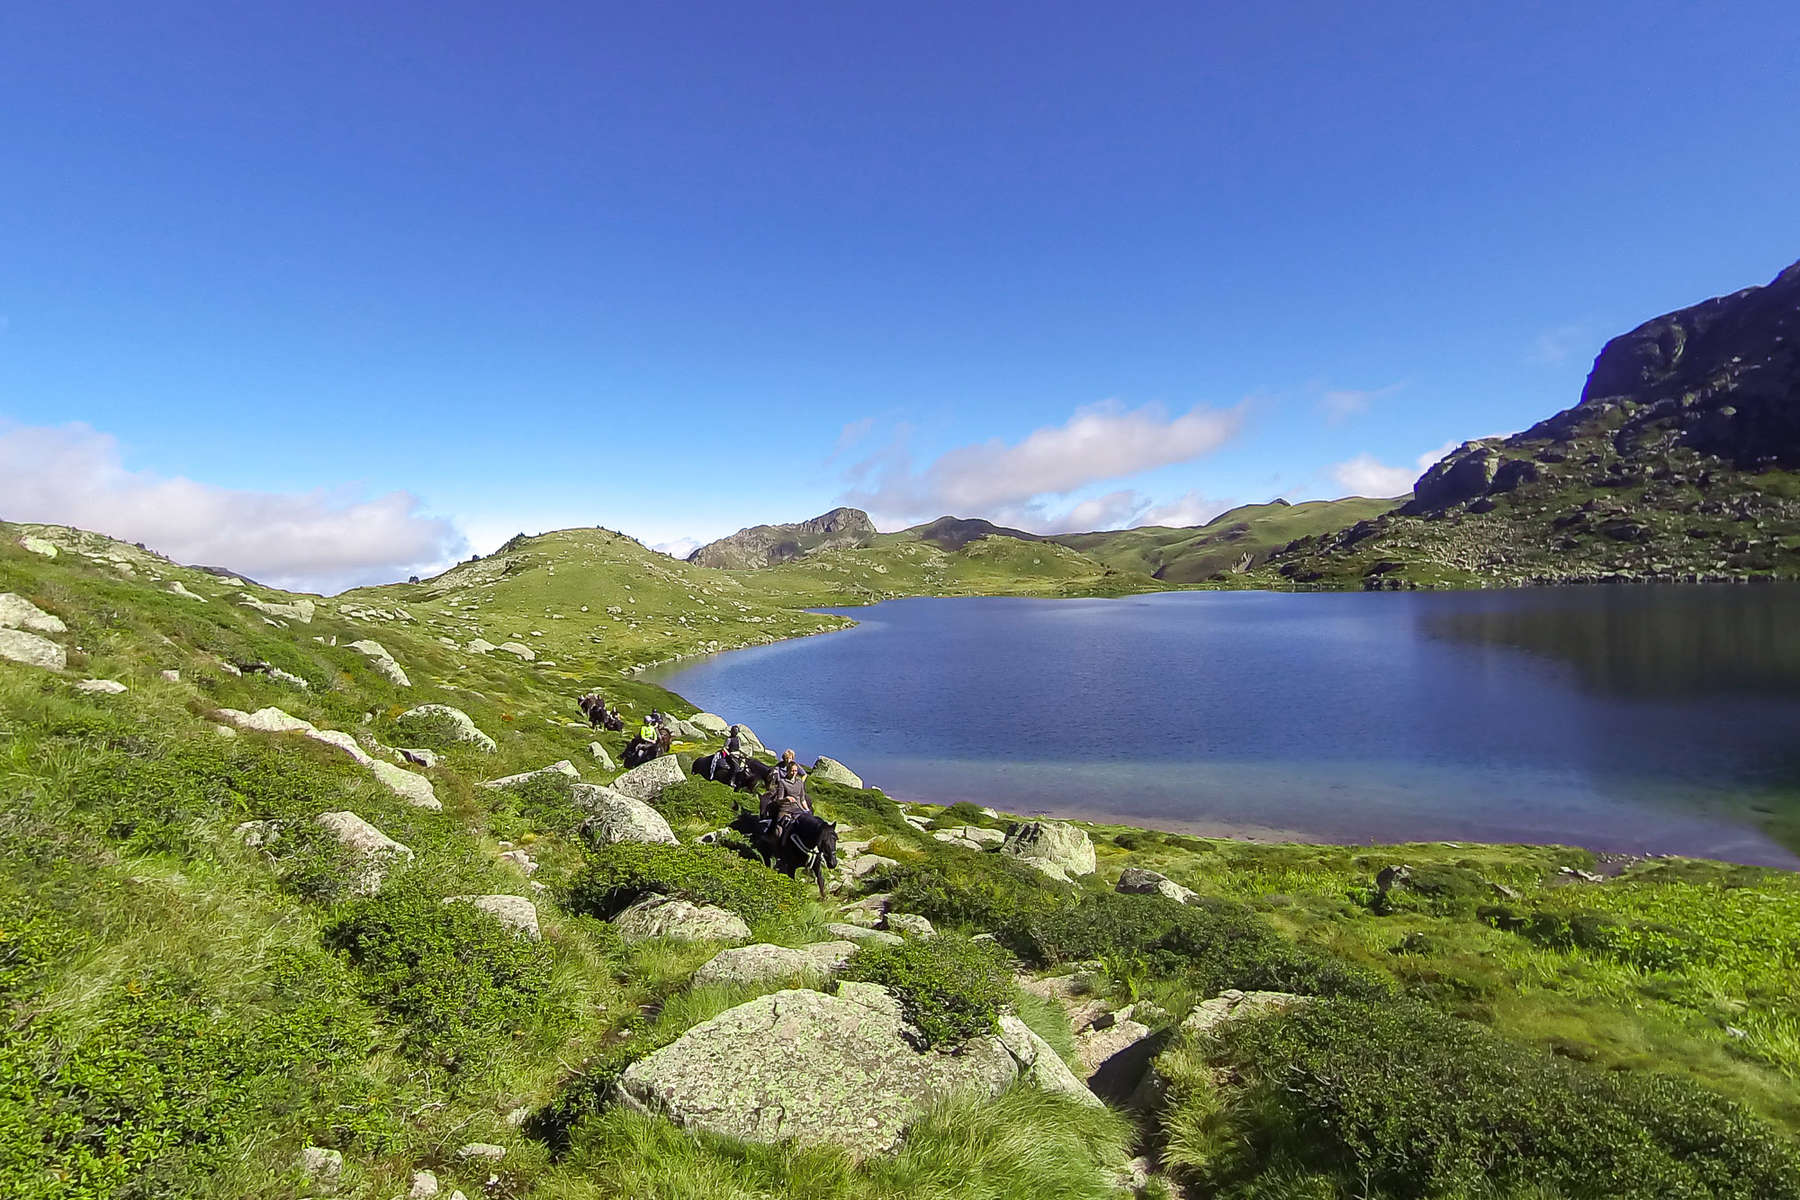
(1339, 405)
(1553, 347)
(1100, 442)
(1365, 475)
(319, 540)
(679, 548)
(1189, 509)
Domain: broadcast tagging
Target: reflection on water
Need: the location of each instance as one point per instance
(1653, 719)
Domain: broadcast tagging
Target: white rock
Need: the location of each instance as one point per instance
(601, 757)
(321, 1165)
(171, 676)
(299, 610)
(415, 789)
(1051, 843)
(481, 646)
(833, 771)
(424, 1186)
(418, 756)
(482, 1150)
(910, 925)
(564, 767)
(521, 860)
(105, 687)
(177, 588)
(620, 818)
(1139, 881)
(710, 723)
(33, 651)
(761, 962)
(648, 781)
(515, 912)
(382, 661)
(518, 648)
(671, 917)
(38, 545)
(462, 728)
(374, 852)
(861, 936)
(16, 612)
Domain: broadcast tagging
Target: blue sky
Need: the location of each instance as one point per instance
(336, 291)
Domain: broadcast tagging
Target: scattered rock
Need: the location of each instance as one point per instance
(418, 756)
(833, 771)
(322, 1166)
(1138, 881)
(171, 676)
(462, 728)
(33, 651)
(710, 723)
(620, 818)
(909, 925)
(374, 852)
(515, 912)
(759, 962)
(416, 790)
(482, 1150)
(647, 782)
(299, 610)
(601, 757)
(1051, 844)
(862, 936)
(16, 612)
(482, 646)
(104, 687)
(382, 661)
(1233, 1005)
(424, 1186)
(841, 1070)
(38, 545)
(752, 744)
(521, 860)
(564, 767)
(864, 864)
(1115, 1057)
(518, 648)
(176, 588)
(671, 917)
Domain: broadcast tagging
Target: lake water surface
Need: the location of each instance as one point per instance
(1651, 719)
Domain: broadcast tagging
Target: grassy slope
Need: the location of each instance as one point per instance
(1195, 555)
(182, 1019)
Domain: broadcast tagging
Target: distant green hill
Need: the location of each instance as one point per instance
(1228, 544)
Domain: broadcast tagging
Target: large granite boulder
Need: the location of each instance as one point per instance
(843, 1070)
(710, 723)
(1141, 882)
(833, 771)
(33, 651)
(16, 612)
(1054, 847)
(462, 728)
(760, 962)
(372, 853)
(647, 782)
(620, 818)
(672, 917)
(382, 661)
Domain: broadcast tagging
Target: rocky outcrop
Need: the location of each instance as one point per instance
(766, 545)
(671, 917)
(762, 962)
(1056, 848)
(563, 767)
(833, 771)
(372, 853)
(647, 782)
(16, 612)
(1138, 881)
(841, 1070)
(1234, 1005)
(382, 661)
(462, 729)
(31, 650)
(710, 723)
(620, 818)
(300, 610)
(515, 912)
(414, 789)
(38, 545)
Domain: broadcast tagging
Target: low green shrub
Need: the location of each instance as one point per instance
(618, 876)
(951, 988)
(1646, 945)
(542, 804)
(1440, 889)
(865, 808)
(1213, 944)
(965, 812)
(967, 887)
(452, 975)
(1399, 1100)
(430, 730)
(700, 803)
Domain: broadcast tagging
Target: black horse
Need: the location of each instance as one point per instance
(639, 751)
(810, 844)
(593, 707)
(744, 775)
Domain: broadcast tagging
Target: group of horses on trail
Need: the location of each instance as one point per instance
(809, 841)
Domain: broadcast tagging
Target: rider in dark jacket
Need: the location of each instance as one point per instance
(787, 795)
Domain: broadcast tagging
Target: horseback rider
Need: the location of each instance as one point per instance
(786, 798)
(651, 729)
(728, 760)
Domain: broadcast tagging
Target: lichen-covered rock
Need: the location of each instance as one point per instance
(515, 912)
(647, 782)
(31, 650)
(16, 612)
(300, 610)
(38, 545)
(826, 1070)
(563, 767)
(462, 728)
(481, 646)
(1234, 1005)
(620, 818)
(519, 650)
(373, 852)
(671, 917)
(1138, 881)
(760, 962)
(322, 1166)
(861, 935)
(1051, 844)
(382, 661)
(909, 925)
(710, 723)
(177, 588)
(833, 771)
(415, 789)
(103, 687)
(601, 758)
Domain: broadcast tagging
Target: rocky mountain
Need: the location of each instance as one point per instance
(953, 533)
(1679, 462)
(766, 545)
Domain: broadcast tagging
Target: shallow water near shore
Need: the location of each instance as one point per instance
(1642, 719)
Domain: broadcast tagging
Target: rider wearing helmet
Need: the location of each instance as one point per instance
(787, 795)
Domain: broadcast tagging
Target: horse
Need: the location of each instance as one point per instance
(810, 844)
(745, 775)
(639, 751)
(593, 707)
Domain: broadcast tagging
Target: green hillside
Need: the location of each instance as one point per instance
(1225, 546)
(202, 985)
